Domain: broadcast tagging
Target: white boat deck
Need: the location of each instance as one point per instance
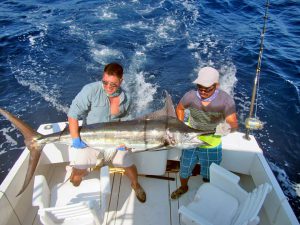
(123, 206)
(239, 155)
(159, 209)
(125, 209)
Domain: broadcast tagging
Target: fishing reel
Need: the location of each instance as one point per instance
(254, 124)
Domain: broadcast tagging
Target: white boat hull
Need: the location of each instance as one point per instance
(240, 156)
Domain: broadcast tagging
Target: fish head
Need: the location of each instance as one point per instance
(188, 140)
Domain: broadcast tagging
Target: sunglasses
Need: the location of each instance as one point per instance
(113, 85)
(206, 89)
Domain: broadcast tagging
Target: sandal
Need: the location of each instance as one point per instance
(177, 193)
(140, 193)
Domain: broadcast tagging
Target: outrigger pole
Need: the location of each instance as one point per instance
(251, 122)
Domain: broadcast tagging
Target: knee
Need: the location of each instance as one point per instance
(77, 175)
(130, 168)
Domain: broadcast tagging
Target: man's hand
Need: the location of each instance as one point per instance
(78, 143)
(223, 129)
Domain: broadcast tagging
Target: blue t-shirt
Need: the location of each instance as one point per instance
(92, 105)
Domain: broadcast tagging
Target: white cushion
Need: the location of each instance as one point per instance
(214, 205)
(81, 213)
(65, 193)
(223, 201)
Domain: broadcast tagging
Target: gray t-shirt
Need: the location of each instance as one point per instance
(208, 117)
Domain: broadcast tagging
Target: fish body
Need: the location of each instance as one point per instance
(159, 130)
(138, 135)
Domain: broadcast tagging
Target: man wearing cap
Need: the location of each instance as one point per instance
(210, 108)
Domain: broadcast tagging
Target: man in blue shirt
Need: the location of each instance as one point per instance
(97, 102)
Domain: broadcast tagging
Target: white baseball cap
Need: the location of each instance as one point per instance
(207, 76)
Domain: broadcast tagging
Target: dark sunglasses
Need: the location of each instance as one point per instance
(206, 89)
(113, 85)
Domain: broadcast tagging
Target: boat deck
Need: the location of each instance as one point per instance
(124, 208)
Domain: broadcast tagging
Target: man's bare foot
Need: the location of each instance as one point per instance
(139, 192)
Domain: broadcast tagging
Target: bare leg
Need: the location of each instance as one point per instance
(131, 173)
(182, 189)
(184, 183)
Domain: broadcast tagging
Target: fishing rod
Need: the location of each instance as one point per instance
(252, 123)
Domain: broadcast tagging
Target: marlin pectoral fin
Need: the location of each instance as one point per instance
(161, 147)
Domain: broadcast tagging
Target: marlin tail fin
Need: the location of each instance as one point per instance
(31, 137)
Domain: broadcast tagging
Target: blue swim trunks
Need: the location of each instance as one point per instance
(205, 156)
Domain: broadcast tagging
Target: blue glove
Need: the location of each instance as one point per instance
(121, 148)
(78, 143)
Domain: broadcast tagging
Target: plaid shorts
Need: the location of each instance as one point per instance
(205, 156)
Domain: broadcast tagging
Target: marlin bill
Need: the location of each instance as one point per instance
(160, 130)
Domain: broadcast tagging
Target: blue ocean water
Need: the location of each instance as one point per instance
(50, 49)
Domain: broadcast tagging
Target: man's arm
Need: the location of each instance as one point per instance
(74, 127)
(74, 132)
(232, 121)
(180, 112)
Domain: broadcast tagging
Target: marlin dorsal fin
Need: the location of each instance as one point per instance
(167, 110)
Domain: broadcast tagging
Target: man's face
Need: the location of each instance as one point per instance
(206, 92)
(111, 83)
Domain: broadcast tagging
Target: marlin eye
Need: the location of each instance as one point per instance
(186, 136)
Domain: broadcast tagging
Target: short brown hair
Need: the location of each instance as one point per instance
(114, 69)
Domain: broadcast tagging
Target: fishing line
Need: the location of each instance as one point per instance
(252, 123)
(258, 70)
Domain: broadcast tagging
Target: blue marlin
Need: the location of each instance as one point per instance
(160, 130)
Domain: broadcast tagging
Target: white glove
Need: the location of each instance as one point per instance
(223, 129)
